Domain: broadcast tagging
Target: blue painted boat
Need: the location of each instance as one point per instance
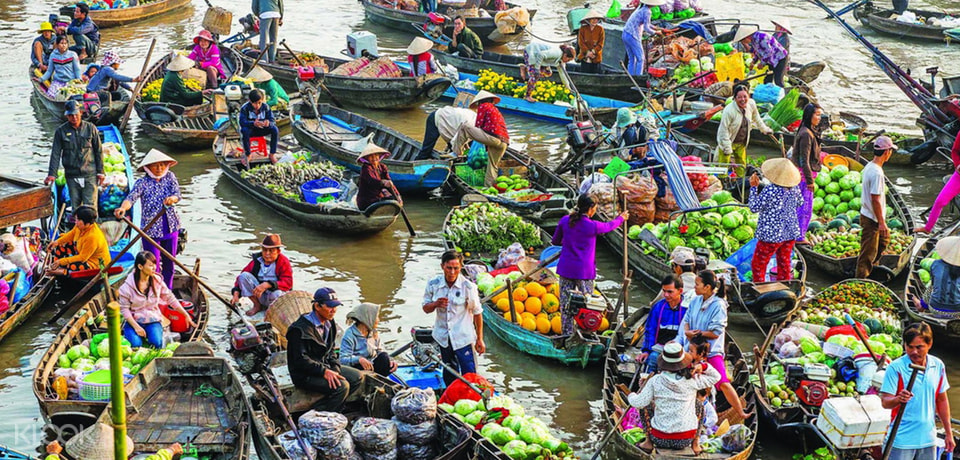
(327, 130)
(554, 113)
(10, 454)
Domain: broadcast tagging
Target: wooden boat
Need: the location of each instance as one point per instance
(611, 82)
(85, 325)
(107, 115)
(555, 113)
(326, 134)
(192, 399)
(882, 20)
(945, 327)
(456, 440)
(532, 342)
(405, 21)
(329, 217)
(105, 19)
(556, 199)
(372, 93)
(618, 374)
(847, 266)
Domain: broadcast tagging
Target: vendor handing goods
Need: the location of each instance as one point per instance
(285, 179)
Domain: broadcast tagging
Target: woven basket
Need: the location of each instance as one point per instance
(217, 20)
(287, 309)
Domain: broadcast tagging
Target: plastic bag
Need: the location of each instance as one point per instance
(344, 449)
(477, 156)
(768, 93)
(510, 256)
(389, 455)
(737, 438)
(374, 435)
(290, 444)
(413, 405)
(614, 11)
(323, 429)
(789, 350)
(595, 178)
(603, 195)
(416, 452)
(459, 390)
(419, 434)
(791, 335)
(730, 67)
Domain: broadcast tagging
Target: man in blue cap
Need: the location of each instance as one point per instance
(311, 342)
(76, 144)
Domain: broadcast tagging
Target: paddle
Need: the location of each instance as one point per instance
(625, 284)
(53, 235)
(278, 398)
(136, 89)
(93, 282)
(616, 423)
(863, 339)
(542, 266)
(255, 62)
(333, 98)
(403, 213)
(887, 448)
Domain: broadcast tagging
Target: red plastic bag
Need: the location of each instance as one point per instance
(459, 390)
(846, 329)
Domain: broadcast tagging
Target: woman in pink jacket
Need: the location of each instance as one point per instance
(140, 297)
(206, 54)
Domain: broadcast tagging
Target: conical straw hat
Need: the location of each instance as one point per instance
(179, 63)
(783, 23)
(744, 31)
(592, 14)
(949, 250)
(483, 95)
(370, 149)
(259, 75)
(95, 442)
(419, 45)
(781, 171)
(155, 156)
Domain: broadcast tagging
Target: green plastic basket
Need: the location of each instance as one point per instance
(95, 386)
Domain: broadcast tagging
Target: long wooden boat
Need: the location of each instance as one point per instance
(84, 325)
(194, 399)
(456, 441)
(883, 20)
(405, 21)
(105, 19)
(552, 346)
(847, 266)
(611, 82)
(618, 374)
(373, 93)
(852, 121)
(334, 217)
(325, 137)
(109, 115)
(945, 327)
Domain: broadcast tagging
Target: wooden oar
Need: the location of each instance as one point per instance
(888, 447)
(616, 422)
(333, 98)
(93, 282)
(255, 62)
(403, 213)
(540, 268)
(53, 235)
(136, 89)
(863, 339)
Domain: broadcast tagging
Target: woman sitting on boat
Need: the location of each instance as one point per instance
(174, 90)
(419, 57)
(806, 156)
(140, 298)
(272, 90)
(945, 279)
(360, 347)
(777, 228)
(538, 60)
(82, 248)
(42, 46)
(63, 65)
(577, 233)
(206, 54)
(158, 191)
(672, 397)
(107, 81)
(374, 184)
(265, 278)
(590, 38)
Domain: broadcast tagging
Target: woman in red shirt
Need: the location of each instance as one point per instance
(490, 130)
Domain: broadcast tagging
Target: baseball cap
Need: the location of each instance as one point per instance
(683, 256)
(884, 143)
(326, 296)
(71, 108)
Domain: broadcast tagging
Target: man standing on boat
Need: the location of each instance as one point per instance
(270, 13)
(465, 41)
(663, 322)
(458, 328)
(76, 144)
(86, 34)
(875, 236)
(917, 435)
(445, 122)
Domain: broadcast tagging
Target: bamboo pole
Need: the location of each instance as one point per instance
(118, 411)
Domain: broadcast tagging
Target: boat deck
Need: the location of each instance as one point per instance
(177, 412)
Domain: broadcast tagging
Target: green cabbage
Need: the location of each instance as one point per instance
(78, 351)
(516, 449)
(722, 197)
(444, 406)
(503, 436)
(474, 417)
(731, 221)
(809, 345)
(488, 429)
(465, 407)
(743, 233)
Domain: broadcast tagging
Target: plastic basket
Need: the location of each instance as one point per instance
(320, 190)
(92, 387)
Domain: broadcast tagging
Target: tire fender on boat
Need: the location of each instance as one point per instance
(375, 208)
(761, 305)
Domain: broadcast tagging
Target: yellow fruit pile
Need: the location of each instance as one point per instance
(151, 92)
(537, 307)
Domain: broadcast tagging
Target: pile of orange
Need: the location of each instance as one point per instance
(537, 307)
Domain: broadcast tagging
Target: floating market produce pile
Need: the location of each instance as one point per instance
(544, 91)
(487, 227)
(924, 272)
(285, 179)
(81, 369)
(115, 186)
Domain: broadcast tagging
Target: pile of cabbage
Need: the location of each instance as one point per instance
(723, 228)
(94, 354)
(519, 436)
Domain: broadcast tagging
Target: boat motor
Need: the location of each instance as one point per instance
(589, 311)
(251, 346)
(361, 43)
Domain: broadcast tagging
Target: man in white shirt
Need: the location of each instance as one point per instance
(445, 122)
(459, 325)
(875, 236)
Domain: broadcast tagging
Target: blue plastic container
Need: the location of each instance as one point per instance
(416, 377)
(320, 190)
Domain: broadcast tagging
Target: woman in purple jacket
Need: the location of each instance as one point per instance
(577, 234)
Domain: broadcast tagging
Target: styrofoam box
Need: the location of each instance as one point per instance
(854, 422)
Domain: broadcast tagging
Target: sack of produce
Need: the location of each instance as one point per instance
(290, 444)
(419, 434)
(414, 405)
(416, 452)
(391, 455)
(323, 429)
(665, 205)
(344, 449)
(603, 195)
(374, 435)
(737, 439)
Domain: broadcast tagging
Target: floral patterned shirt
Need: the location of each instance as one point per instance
(152, 193)
(777, 207)
(767, 49)
(490, 120)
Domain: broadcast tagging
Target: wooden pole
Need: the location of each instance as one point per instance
(540, 268)
(333, 98)
(136, 89)
(255, 62)
(513, 309)
(118, 412)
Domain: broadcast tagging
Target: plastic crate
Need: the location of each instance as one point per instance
(320, 190)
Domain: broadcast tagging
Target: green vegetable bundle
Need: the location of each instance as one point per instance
(285, 179)
(487, 227)
(786, 111)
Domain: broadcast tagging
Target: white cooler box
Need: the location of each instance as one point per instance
(854, 422)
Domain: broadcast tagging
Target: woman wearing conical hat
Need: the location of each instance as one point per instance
(157, 191)
(777, 227)
(265, 82)
(174, 90)
(375, 183)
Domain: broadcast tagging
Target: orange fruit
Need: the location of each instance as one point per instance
(529, 323)
(520, 294)
(532, 305)
(501, 295)
(517, 305)
(543, 325)
(503, 304)
(604, 324)
(543, 315)
(554, 289)
(526, 315)
(506, 316)
(550, 303)
(535, 289)
(556, 325)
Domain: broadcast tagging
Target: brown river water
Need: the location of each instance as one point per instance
(391, 268)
